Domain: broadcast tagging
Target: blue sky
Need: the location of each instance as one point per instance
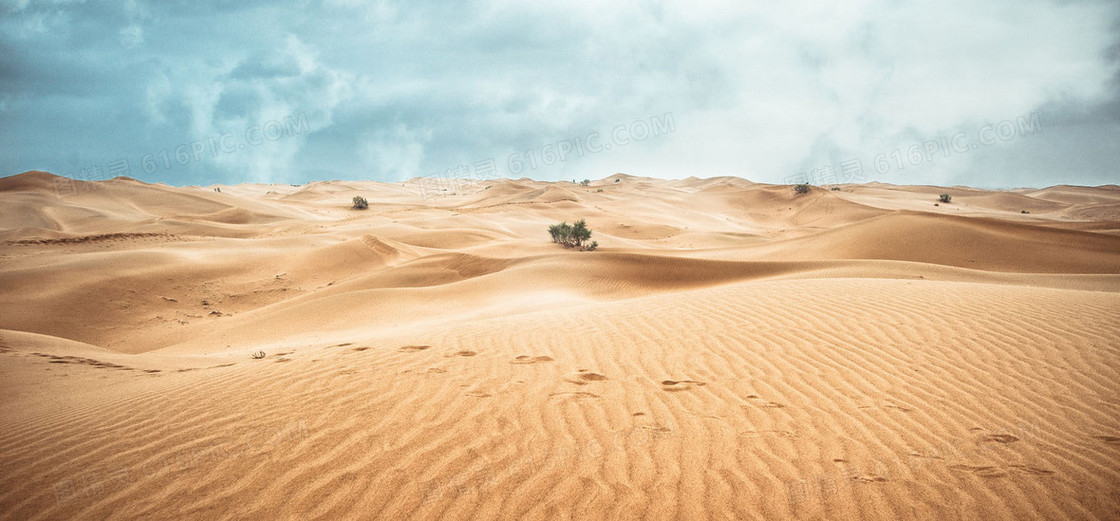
(989, 94)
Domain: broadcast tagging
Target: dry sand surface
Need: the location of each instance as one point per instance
(732, 351)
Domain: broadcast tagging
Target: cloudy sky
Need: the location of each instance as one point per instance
(999, 93)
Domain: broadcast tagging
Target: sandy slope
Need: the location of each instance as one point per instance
(732, 351)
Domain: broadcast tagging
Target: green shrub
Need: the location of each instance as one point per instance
(585, 182)
(802, 188)
(572, 236)
(945, 198)
(360, 203)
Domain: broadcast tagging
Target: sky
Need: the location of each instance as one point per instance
(993, 94)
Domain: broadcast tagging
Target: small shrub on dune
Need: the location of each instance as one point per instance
(360, 203)
(573, 235)
(585, 182)
(802, 188)
(945, 198)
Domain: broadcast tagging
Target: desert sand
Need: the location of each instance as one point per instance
(732, 350)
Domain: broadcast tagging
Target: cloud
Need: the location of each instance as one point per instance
(393, 90)
(131, 36)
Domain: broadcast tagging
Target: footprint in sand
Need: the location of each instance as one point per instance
(363, 348)
(679, 385)
(865, 478)
(888, 406)
(1112, 440)
(526, 359)
(462, 353)
(584, 377)
(1001, 438)
(778, 433)
(412, 349)
(577, 394)
(759, 402)
(984, 472)
(1032, 470)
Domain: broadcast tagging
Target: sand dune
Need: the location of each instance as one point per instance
(733, 350)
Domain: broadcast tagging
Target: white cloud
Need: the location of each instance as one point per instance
(757, 89)
(132, 36)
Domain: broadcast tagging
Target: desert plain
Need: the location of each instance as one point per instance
(732, 350)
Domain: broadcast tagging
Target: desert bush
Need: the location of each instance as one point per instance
(573, 235)
(585, 182)
(835, 189)
(802, 188)
(945, 198)
(258, 355)
(360, 203)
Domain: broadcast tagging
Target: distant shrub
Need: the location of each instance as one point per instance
(802, 188)
(1024, 211)
(360, 203)
(835, 189)
(573, 236)
(617, 179)
(945, 198)
(599, 190)
(585, 182)
(258, 355)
